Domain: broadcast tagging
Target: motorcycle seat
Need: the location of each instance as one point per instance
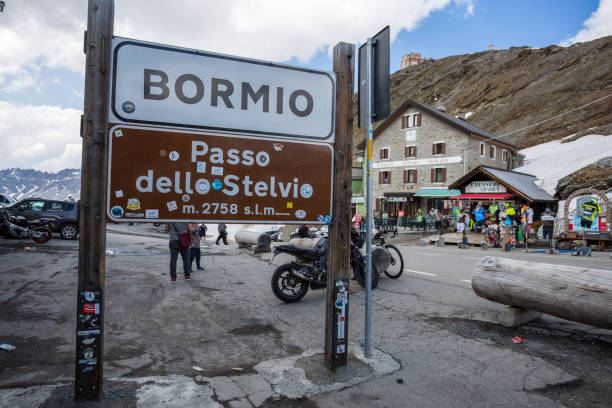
(297, 250)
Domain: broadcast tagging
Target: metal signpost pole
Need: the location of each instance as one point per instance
(368, 279)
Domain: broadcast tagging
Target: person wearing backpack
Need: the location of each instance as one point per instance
(194, 249)
(179, 243)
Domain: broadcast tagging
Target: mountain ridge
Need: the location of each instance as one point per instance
(21, 183)
(506, 90)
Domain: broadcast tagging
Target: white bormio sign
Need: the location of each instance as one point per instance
(156, 84)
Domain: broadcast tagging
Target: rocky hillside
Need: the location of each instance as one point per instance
(506, 90)
(597, 175)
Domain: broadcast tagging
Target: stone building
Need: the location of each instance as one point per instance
(408, 60)
(419, 151)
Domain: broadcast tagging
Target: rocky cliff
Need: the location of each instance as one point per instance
(506, 90)
(597, 175)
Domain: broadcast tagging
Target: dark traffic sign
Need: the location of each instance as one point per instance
(380, 79)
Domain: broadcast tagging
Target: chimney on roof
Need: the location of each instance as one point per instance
(491, 47)
(440, 107)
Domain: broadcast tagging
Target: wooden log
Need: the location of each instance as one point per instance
(578, 294)
(259, 239)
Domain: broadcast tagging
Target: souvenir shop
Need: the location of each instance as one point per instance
(489, 186)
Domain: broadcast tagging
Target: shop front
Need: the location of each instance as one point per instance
(399, 205)
(493, 188)
(439, 198)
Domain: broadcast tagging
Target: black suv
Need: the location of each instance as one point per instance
(66, 213)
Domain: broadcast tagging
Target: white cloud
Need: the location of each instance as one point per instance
(598, 25)
(274, 30)
(40, 33)
(19, 82)
(468, 4)
(40, 137)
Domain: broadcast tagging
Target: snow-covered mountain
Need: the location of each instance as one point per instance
(20, 183)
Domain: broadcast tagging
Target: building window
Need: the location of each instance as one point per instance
(482, 149)
(410, 151)
(438, 148)
(504, 155)
(438, 175)
(410, 176)
(384, 177)
(492, 152)
(411, 120)
(384, 153)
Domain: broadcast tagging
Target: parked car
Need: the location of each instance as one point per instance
(6, 200)
(66, 214)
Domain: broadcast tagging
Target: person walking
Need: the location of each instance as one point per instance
(420, 219)
(460, 223)
(179, 242)
(222, 234)
(194, 249)
(436, 218)
(203, 229)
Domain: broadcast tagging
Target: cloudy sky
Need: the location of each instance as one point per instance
(42, 63)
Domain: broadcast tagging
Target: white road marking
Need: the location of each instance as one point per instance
(466, 280)
(461, 256)
(420, 273)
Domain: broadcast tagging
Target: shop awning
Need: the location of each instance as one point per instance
(483, 196)
(436, 192)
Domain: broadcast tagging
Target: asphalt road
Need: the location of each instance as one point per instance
(452, 265)
(449, 351)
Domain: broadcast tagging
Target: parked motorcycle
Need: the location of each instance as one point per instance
(19, 227)
(291, 281)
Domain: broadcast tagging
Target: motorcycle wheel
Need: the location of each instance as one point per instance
(396, 268)
(287, 287)
(40, 236)
(360, 276)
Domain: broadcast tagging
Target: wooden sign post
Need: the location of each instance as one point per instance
(338, 262)
(92, 224)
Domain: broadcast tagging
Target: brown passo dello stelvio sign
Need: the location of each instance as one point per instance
(166, 175)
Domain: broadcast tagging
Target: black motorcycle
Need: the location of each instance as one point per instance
(291, 281)
(19, 227)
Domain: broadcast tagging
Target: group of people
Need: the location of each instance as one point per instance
(185, 240)
(512, 224)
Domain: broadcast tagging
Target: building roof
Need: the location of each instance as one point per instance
(457, 123)
(521, 184)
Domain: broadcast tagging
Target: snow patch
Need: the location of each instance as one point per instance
(554, 160)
